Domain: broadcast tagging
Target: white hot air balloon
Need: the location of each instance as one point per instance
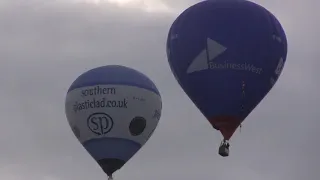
(113, 110)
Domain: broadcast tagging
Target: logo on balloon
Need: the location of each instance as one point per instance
(207, 60)
(100, 123)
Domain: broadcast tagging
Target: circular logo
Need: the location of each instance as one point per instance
(137, 126)
(100, 123)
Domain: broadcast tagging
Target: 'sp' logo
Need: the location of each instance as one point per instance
(100, 123)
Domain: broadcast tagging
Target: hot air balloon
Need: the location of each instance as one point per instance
(226, 55)
(113, 110)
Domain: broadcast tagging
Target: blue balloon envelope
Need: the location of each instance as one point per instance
(113, 110)
(226, 55)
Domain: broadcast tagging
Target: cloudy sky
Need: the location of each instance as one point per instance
(46, 44)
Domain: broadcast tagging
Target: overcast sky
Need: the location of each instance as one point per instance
(46, 44)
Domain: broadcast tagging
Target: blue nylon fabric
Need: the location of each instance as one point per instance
(247, 30)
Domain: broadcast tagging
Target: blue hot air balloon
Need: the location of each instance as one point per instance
(113, 110)
(226, 55)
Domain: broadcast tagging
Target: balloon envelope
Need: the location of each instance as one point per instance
(113, 110)
(226, 55)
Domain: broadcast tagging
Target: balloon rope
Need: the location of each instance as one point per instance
(243, 91)
(243, 97)
(110, 178)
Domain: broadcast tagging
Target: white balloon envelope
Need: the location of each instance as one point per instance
(113, 110)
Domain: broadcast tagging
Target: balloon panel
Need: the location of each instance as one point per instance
(113, 110)
(226, 55)
(114, 74)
